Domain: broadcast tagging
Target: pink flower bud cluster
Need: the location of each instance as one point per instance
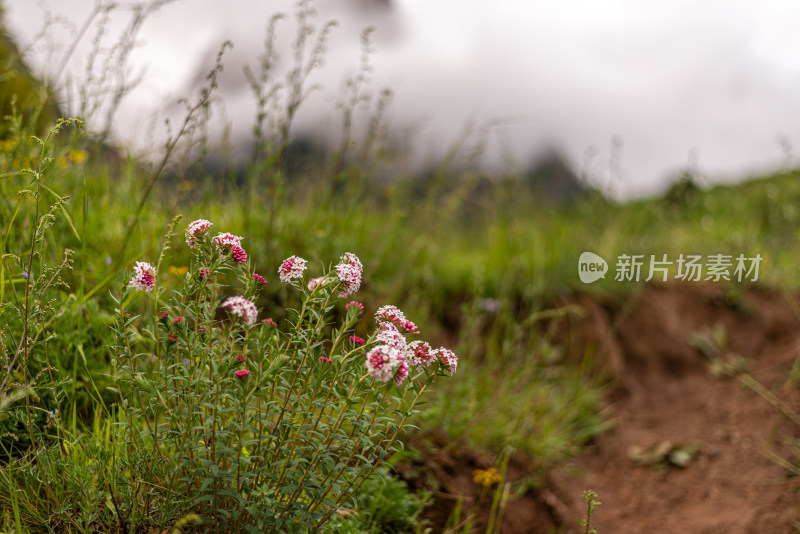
(238, 255)
(355, 304)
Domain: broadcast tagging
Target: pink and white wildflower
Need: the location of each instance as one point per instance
(242, 373)
(391, 314)
(447, 358)
(382, 362)
(194, 229)
(144, 277)
(227, 241)
(420, 354)
(349, 272)
(292, 268)
(241, 307)
(388, 334)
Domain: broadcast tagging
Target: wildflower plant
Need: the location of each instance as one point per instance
(256, 426)
(29, 303)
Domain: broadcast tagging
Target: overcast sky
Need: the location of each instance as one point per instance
(712, 82)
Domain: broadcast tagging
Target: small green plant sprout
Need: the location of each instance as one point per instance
(257, 425)
(592, 502)
(665, 453)
(713, 344)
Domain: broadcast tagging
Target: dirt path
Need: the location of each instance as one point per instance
(671, 410)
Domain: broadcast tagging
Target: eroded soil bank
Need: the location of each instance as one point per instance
(695, 440)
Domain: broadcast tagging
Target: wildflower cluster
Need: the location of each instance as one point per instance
(144, 277)
(384, 365)
(241, 307)
(195, 230)
(420, 353)
(292, 421)
(349, 273)
(391, 315)
(226, 241)
(292, 268)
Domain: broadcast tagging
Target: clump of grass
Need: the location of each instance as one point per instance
(384, 504)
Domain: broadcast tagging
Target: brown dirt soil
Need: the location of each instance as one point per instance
(670, 407)
(669, 397)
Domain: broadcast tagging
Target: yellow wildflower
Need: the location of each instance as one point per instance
(78, 156)
(8, 145)
(486, 477)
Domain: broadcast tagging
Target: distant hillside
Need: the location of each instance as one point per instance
(18, 84)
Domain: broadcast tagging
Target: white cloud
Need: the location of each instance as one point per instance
(718, 78)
